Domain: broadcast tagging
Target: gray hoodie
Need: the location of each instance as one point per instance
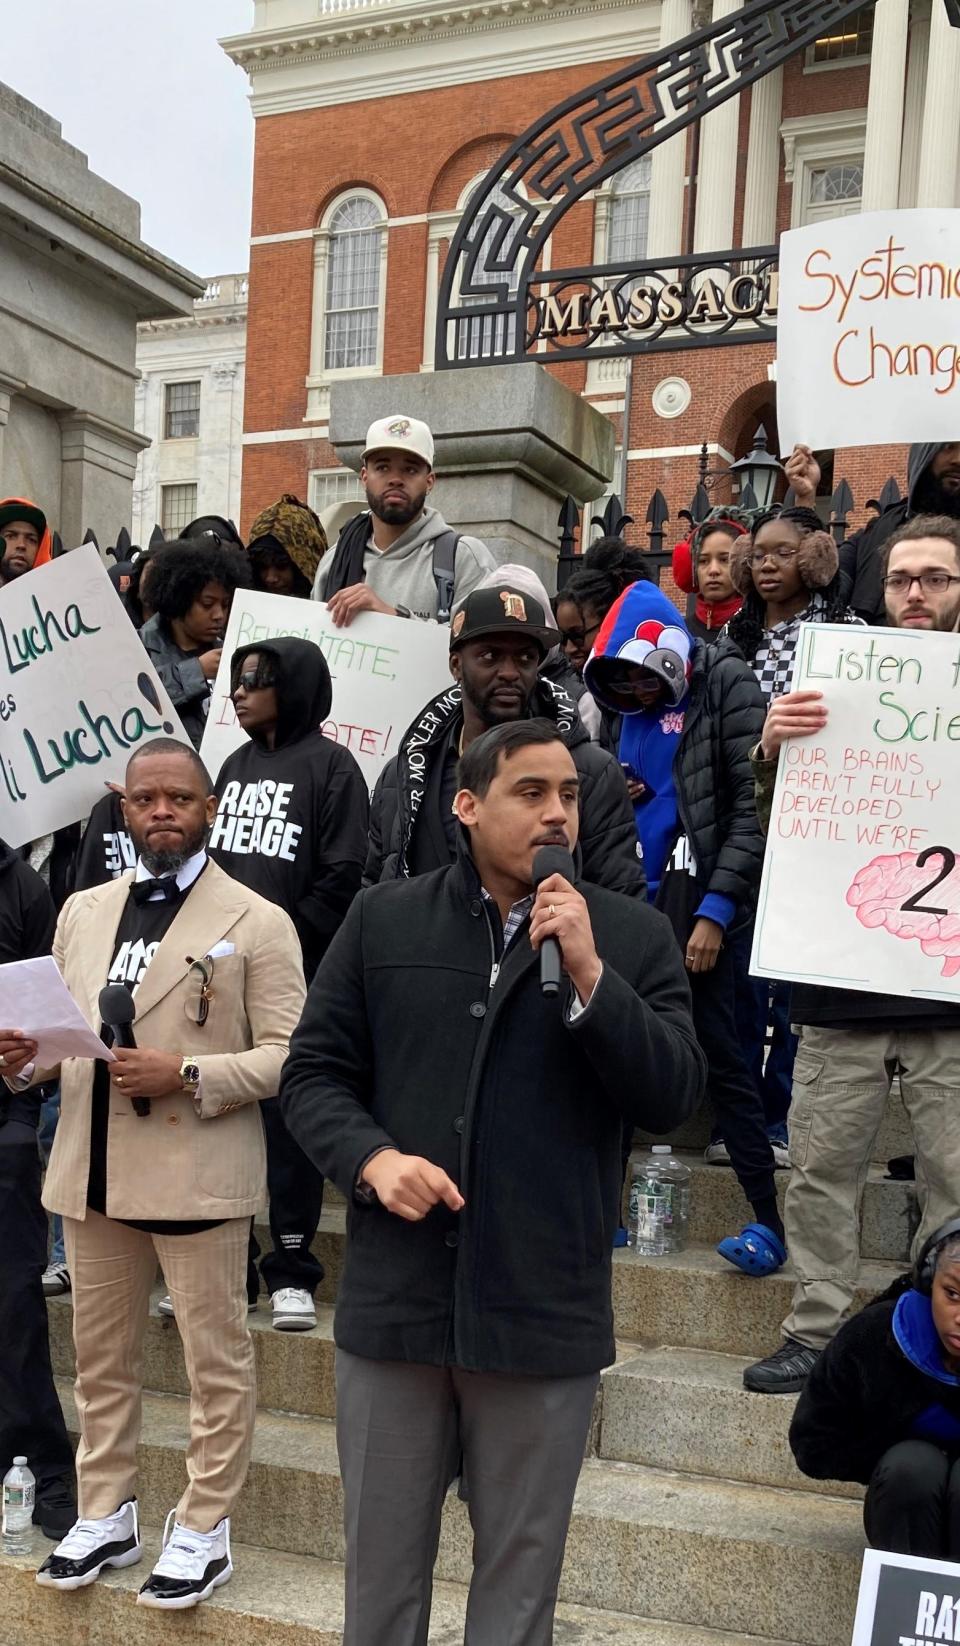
(403, 574)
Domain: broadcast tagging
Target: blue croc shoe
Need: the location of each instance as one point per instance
(756, 1251)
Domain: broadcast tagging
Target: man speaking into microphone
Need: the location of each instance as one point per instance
(159, 1156)
(473, 1120)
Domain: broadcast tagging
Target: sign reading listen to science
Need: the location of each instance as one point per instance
(868, 347)
(861, 884)
(78, 695)
(384, 669)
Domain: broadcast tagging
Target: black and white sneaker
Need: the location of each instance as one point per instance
(89, 1546)
(191, 1566)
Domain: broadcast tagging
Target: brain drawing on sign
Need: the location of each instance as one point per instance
(916, 898)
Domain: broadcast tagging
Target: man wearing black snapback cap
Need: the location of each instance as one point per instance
(498, 640)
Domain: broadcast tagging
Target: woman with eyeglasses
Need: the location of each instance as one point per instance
(788, 571)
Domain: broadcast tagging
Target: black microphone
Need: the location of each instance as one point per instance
(551, 860)
(118, 1010)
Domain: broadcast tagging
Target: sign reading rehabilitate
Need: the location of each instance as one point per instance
(905, 1601)
(861, 883)
(383, 670)
(78, 695)
(868, 346)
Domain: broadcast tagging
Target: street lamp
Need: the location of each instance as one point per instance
(758, 470)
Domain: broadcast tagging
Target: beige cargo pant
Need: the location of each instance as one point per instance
(841, 1081)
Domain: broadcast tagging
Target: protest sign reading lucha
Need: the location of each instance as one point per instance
(906, 1601)
(383, 670)
(868, 345)
(861, 878)
(78, 695)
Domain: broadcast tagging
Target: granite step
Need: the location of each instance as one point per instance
(696, 1299)
(668, 1407)
(893, 1138)
(687, 1409)
(718, 1207)
(294, 1369)
(693, 1298)
(648, 1542)
(275, 1599)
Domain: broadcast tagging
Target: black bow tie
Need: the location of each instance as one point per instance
(168, 889)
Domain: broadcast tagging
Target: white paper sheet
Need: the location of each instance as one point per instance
(34, 998)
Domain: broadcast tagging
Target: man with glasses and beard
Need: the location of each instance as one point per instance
(401, 558)
(159, 1156)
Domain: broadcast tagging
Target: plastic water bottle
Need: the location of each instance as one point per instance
(19, 1493)
(659, 1203)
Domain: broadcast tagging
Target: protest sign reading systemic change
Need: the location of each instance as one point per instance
(868, 345)
(383, 670)
(78, 695)
(861, 883)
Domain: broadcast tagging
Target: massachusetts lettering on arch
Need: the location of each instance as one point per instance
(693, 303)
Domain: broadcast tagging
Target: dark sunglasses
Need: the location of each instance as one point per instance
(248, 680)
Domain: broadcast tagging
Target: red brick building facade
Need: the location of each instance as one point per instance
(375, 118)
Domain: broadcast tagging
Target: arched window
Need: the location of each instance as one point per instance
(353, 284)
(628, 217)
(349, 287)
(835, 191)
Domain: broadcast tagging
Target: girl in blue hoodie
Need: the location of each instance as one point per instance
(691, 713)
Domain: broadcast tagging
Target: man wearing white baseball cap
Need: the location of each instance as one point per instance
(401, 557)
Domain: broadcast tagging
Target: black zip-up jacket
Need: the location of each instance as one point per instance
(408, 834)
(404, 1043)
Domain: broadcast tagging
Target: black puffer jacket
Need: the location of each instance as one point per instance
(409, 833)
(714, 779)
(860, 556)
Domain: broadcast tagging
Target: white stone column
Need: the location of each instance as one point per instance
(431, 300)
(888, 67)
(717, 180)
(669, 160)
(763, 161)
(913, 101)
(937, 181)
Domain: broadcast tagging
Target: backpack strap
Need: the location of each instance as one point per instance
(444, 571)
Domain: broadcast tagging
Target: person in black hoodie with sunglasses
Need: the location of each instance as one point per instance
(291, 824)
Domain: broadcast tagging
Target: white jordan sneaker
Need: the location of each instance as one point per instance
(89, 1546)
(191, 1566)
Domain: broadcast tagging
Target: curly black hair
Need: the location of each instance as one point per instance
(747, 628)
(180, 571)
(607, 568)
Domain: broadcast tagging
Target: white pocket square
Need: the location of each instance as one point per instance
(220, 951)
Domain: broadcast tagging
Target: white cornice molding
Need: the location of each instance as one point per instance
(419, 45)
(801, 131)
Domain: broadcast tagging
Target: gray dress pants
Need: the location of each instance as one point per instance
(401, 1432)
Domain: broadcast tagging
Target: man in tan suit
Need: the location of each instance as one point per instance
(218, 981)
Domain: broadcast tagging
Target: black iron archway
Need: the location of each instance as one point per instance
(496, 305)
